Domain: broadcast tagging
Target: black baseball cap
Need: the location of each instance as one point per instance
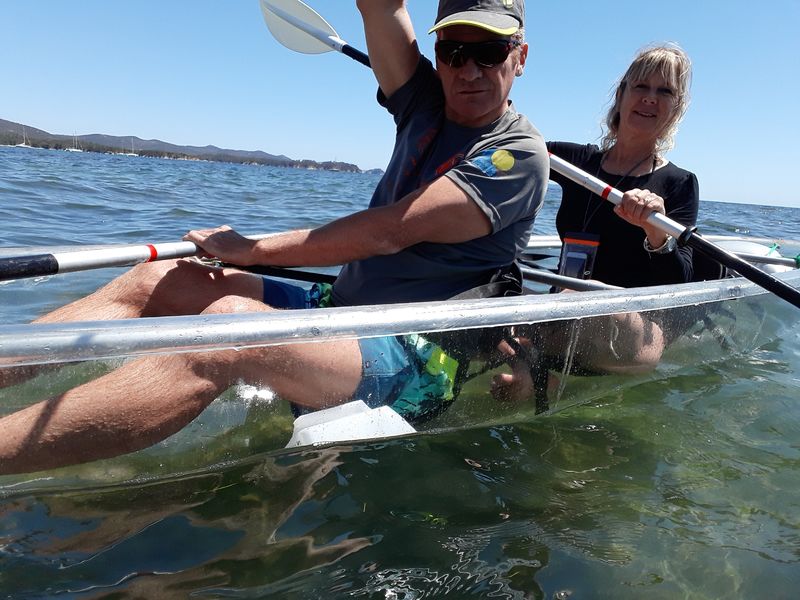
(503, 17)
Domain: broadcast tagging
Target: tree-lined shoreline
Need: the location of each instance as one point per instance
(14, 134)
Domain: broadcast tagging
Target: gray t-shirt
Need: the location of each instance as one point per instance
(503, 167)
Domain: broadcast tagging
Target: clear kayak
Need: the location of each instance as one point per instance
(705, 322)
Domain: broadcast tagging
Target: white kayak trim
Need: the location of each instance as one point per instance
(65, 342)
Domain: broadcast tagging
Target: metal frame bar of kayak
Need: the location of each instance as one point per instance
(569, 283)
(780, 261)
(68, 342)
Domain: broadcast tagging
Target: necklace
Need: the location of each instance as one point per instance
(587, 218)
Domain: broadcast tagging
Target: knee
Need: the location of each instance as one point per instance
(235, 304)
(640, 355)
(146, 276)
(172, 287)
(139, 284)
(228, 365)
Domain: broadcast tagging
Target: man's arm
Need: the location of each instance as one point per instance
(440, 212)
(391, 42)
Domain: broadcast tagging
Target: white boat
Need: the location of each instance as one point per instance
(132, 152)
(74, 147)
(724, 316)
(25, 142)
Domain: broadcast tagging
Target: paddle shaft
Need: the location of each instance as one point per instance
(41, 265)
(684, 235)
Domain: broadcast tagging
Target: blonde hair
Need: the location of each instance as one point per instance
(673, 64)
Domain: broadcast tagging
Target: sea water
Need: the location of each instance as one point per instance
(679, 487)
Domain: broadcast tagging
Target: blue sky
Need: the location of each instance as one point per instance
(209, 72)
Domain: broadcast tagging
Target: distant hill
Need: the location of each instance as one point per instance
(16, 133)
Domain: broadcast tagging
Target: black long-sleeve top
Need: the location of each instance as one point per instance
(621, 258)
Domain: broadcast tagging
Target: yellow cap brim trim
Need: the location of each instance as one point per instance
(497, 30)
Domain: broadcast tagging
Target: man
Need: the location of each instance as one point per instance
(459, 197)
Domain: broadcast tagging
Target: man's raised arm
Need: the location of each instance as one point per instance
(391, 42)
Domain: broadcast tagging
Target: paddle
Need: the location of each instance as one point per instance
(684, 235)
(300, 28)
(283, 15)
(43, 264)
(38, 265)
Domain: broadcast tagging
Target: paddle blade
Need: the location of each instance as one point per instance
(298, 27)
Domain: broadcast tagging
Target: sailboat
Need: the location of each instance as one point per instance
(132, 152)
(25, 140)
(74, 147)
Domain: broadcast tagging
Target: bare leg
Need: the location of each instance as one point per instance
(155, 289)
(623, 343)
(149, 399)
(181, 287)
(516, 386)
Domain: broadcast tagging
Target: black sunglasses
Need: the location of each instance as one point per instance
(485, 54)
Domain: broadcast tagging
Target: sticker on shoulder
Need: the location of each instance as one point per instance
(492, 160)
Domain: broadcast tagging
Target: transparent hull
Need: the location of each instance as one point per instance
(703, 322)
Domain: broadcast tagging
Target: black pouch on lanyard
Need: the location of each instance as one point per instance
(578, 252)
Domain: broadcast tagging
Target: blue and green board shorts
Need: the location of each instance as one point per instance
(406, 372)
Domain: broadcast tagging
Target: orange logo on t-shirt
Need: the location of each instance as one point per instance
(449, 164)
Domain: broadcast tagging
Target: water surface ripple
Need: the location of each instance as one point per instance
(684, 486)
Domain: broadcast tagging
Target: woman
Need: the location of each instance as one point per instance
(649, 102)
(617, 245)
